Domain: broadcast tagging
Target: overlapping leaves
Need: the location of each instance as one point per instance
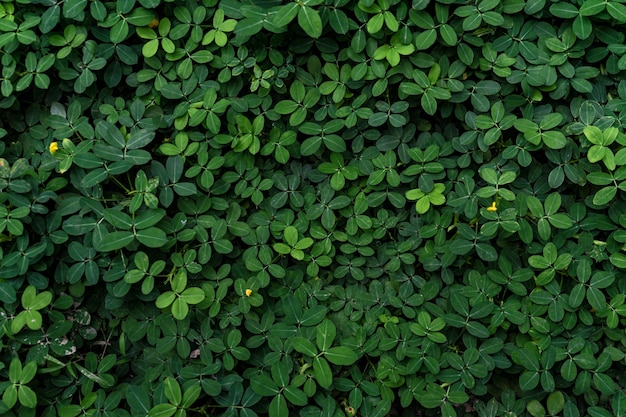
(312, 207)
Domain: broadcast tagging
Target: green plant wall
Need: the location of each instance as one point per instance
(312, 208)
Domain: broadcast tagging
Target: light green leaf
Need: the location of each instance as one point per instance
(27, 396)
(605, 195)
(193, 295)
(291, 235)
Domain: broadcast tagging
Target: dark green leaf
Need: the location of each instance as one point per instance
(310, 21)
(340, 355)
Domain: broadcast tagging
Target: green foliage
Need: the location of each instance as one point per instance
(245, 208)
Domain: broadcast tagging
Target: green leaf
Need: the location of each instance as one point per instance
(554, 139)
(291, 235)
(9, 398)
(119, 31)
(190, 396)
(591, 7)
(15, 370)
(180, 309)
(94, 178)
(618, 403)
(310, 21)
(27, 396)
(172, 391)
(478, 330)
(72, 8)
(41, 300)
(264, 385)
(49, 19)
(93, 377)
(335, 143)
(286, 14)
(322, 371)
(304, 346)
(295, 396)
(278, 407)
(428, 102)
(192, 295)
(339, 22)
(163, 410)
(150, 48)
(555, 403)
(604, 383)
(552, 203)
(426, 39)
(249, 26)
(340, 355)
(564, 10)
(582, 27)
(326, 332)
(594, 135)
(311, 145)
(596, 298)
(534, 6)
(604, 195)
(281, 248)
(148, 218)
(138, 398)
(7, 293)
(114, 241)
(118, 219)
(529, 380)
(152, 237)
(619, 260)
(375, 24)
(448, 35)
(617, 10)
(110, 134)
(535, 408)
(422, 205)
(489, 175)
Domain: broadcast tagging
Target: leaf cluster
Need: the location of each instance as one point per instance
(240, 208)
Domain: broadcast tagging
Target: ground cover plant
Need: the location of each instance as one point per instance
(312, 208)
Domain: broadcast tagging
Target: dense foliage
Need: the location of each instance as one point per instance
(312, 208)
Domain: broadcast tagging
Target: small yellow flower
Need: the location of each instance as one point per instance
(248, 292)
(493, 207)
(54, 146)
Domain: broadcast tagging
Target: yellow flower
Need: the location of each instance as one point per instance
(493, 207)
(248, 292)
(54, 146)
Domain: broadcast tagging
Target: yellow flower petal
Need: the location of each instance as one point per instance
(248, 292)
(54, 146)
(493, 207)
